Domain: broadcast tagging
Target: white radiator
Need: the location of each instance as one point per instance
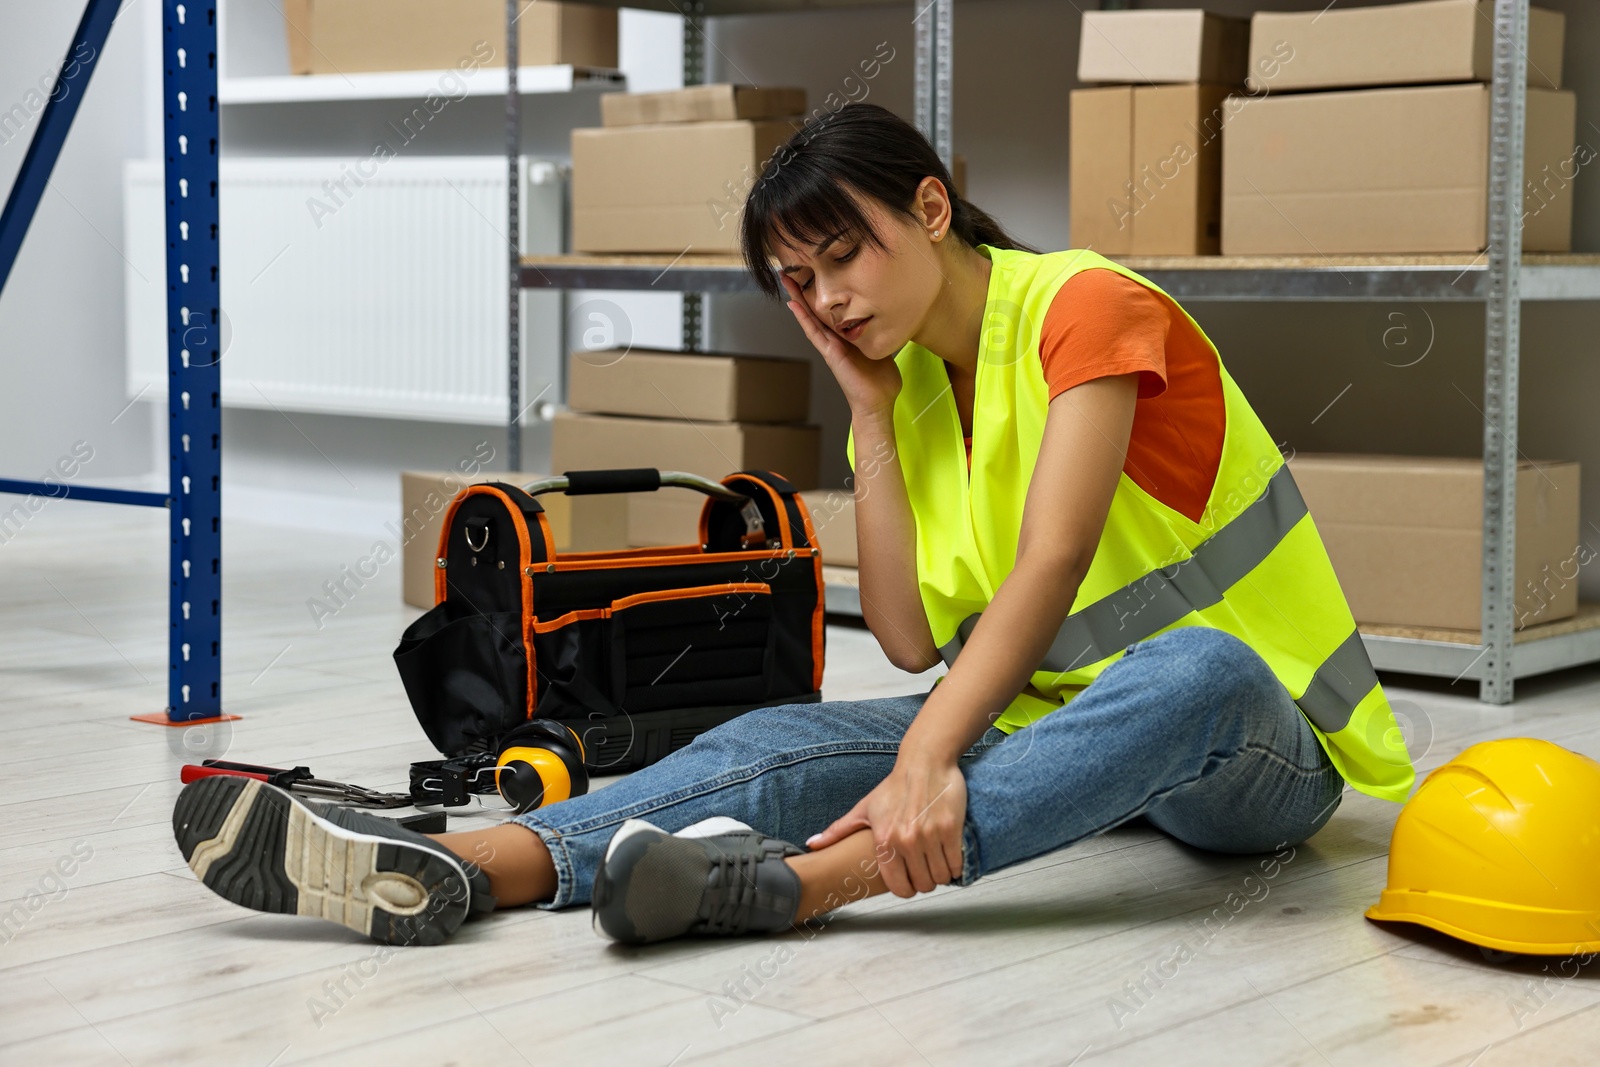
(357, 286)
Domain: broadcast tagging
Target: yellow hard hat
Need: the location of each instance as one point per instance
(1501, 847)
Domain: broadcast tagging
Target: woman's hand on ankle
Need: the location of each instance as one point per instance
(916, 815)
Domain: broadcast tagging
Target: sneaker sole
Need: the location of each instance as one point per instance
(259, 847)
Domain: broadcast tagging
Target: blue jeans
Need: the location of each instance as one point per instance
(1189, 728)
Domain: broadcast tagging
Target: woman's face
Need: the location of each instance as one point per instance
(875, 298)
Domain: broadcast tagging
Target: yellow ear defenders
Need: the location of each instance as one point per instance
(540, 762)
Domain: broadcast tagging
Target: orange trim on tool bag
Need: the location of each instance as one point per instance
(689, 592)
(545, 626)
(816, 616)
(549, 536)
(524, 561)
(530, 609)
(668, 560)
(444, 550)
(816, 562)
(524, 564)
(613, 553)
(686, 593)
(783, 512)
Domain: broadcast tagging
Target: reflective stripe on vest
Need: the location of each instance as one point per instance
(1102, 629)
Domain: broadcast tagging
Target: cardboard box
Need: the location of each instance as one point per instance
(666, 517)
(667, 187)
(1405, 534)
(1394, 44)
(701, 103)
(345, 36)
(1386, 170)
(689, 385)
(1146, 169)
(709, 449)
(578, 523)
(833, 517)
(1145, 47)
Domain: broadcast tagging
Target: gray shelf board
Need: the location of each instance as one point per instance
(1545, 276)
(1242, 278)
(1572, 277)
(692, 273)
(1446, 659)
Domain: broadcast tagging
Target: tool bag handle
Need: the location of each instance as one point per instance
(648, 480)
(627, 480)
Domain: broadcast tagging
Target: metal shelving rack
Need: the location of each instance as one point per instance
(932, 90)
(194, 415)
(1501, 279)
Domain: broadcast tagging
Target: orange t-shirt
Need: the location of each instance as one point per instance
(1101, 323)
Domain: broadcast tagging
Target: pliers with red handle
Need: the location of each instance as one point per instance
(297, 780)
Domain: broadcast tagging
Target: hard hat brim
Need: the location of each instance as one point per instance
(1532, 931)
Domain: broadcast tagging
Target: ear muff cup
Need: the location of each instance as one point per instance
(540, 763)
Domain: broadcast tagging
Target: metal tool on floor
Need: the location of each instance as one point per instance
(297, 780)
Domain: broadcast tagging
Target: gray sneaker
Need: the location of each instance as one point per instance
(717, 877)
(264, 848)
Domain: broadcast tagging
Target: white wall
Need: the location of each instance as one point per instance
(61, 310)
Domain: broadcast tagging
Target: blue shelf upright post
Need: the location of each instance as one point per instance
(194, 349)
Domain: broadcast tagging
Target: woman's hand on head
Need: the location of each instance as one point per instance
(870, 385)
(916, 815)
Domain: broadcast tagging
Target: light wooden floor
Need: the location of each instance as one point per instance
(129, 959)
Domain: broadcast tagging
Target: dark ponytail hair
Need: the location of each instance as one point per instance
(872, 150)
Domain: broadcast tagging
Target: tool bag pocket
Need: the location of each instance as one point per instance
(465, 673)
(704, 645)
(671, 648)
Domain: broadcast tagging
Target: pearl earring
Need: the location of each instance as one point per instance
(936, 233)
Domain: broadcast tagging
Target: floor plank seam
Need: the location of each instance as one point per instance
(1518, 1036)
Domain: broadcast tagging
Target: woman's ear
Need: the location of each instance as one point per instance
(934, 204)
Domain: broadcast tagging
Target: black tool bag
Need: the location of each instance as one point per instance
(639, 650)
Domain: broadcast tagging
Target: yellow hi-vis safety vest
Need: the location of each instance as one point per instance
(1254, 565)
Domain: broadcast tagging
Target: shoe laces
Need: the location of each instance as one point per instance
(735, 892)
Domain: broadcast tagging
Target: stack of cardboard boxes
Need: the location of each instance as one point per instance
(1211, 142)
(707, 414)
(1401, 164)
(669, 171)
(1146, 154)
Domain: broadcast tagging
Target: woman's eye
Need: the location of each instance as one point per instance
(848, 256)
(806, 286)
